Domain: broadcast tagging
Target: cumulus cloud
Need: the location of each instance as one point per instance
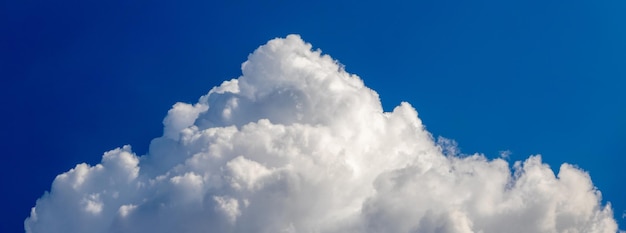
(297, 144)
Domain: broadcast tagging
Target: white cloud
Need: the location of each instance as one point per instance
(505, 154)
(296, 144)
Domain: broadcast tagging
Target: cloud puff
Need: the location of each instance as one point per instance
(297, 144)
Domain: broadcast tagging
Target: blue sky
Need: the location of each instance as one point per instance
(533, 77)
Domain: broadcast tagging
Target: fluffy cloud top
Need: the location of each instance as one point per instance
(297, 144)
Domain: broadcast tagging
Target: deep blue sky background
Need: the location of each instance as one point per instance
(546, 77)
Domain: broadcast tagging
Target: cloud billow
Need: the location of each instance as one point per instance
(297, 144)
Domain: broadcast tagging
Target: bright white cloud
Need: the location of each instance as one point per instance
(297, 144)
